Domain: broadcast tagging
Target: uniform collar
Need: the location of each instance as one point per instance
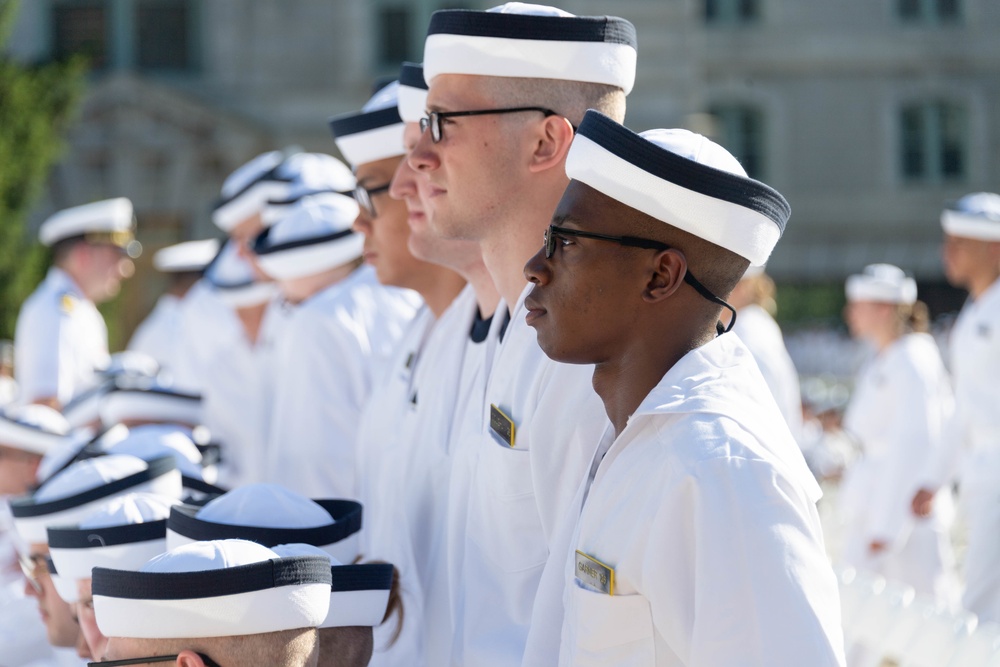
(63, 282)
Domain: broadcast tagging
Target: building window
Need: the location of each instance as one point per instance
(162, 35)
(933, 141)
(929, 11)
(729, 12)
(740, 129)
(80, 28)
(394, 27)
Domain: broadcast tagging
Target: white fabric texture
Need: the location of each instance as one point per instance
(881, 283)
(975, 216)
(186, 256)
(32, 428)
(160, 335)
(60, 341)
(109, 215)
(705, 509)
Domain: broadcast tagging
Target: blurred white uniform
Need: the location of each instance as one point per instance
(208, 325)
(332, 348)
(519, 492)
(60, 340)
(160, 334)
(900, 406)
(975, 355)
(705, 509)
(762, 336)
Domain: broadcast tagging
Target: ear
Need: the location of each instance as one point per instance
(188, 658)
(667, 273)
(552, 143)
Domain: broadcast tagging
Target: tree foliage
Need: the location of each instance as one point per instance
(37, 104)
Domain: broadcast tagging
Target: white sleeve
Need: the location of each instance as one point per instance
(42, 341)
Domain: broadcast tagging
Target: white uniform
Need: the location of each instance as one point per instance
(160, 334)
(519, 491)
(60, 340)
(762, 336)
(208, 325)
(332, 348)
(901, 403)
(975, 355)
(705, 509)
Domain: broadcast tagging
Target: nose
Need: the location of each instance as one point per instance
(362, 224)
(538, 270)
(424, 156)
(403, 182)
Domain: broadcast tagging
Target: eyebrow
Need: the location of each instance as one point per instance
(561, 220)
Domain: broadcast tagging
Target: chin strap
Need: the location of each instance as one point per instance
(705, 292)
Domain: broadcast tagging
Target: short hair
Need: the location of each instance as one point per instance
(346, 647)
(287, 648)
(568, 98)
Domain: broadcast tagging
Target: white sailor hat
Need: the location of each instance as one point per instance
(221, 588)
(71, 494)
(149, 401)
(107, 221)
(234, 281)
(412, 101)
(975, 216)
(80, 444)
(32, 428)
(312, 174)
(531, 41)
(359, 593)
(154, 441)
(315, 236)
(247, 189)
(270, 515)
(683, 179)
(881, 283)
(122, 534)
(123, 369)
(374, 133)
(186, 257)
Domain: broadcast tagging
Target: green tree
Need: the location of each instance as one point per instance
(37, 103)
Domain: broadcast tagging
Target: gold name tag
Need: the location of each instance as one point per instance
(502, 426)
(594, 574)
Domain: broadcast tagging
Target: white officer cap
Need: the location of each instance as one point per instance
(683, 179)
(149, 401)
(531, 41)
(186, 257)
(412, 102)
(246, 190)
(72, 494)
(312, 174)
(270, 515)
(315, 236)
(975, 216)
(32, 428)
(122, 534)
(374, 133)
(881, 283)
(359, 594)
(220, 588)
(107, 221)
(234, 280)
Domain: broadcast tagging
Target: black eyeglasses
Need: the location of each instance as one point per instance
(142, 661)
(433, 119)
(364, 195)
(554, 232)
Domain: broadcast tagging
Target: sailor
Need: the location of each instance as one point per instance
(362, 597)
(126, 368)
(226, 602)
(901, 402)
(26, 434)
(697, 539)
(123, 534)
(61, 339)
(160, 334)
(403, 460)
(972, 261)
(342, 327)
(66, 498)
(506, 89)
(753, 299)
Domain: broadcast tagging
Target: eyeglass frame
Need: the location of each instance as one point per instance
(29, 567)
(433, 118)
(141, 661)
(552, 232)
(363, 196)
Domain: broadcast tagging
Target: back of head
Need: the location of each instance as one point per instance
(346, 647)
(286, 648)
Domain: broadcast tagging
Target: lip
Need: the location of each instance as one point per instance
(435, 191)
(369, 257)
(534, 311)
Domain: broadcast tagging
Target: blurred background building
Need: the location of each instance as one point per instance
(867, 114)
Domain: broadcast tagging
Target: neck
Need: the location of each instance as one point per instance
(486, 292)
(979, 284)
(884, 339)
(439, 288)
(626, 380)
(251, 319)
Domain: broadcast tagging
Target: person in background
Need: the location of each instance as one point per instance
(901, 402)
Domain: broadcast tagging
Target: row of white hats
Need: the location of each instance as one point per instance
(258, 559)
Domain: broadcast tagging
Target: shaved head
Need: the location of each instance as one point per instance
(568, 98)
